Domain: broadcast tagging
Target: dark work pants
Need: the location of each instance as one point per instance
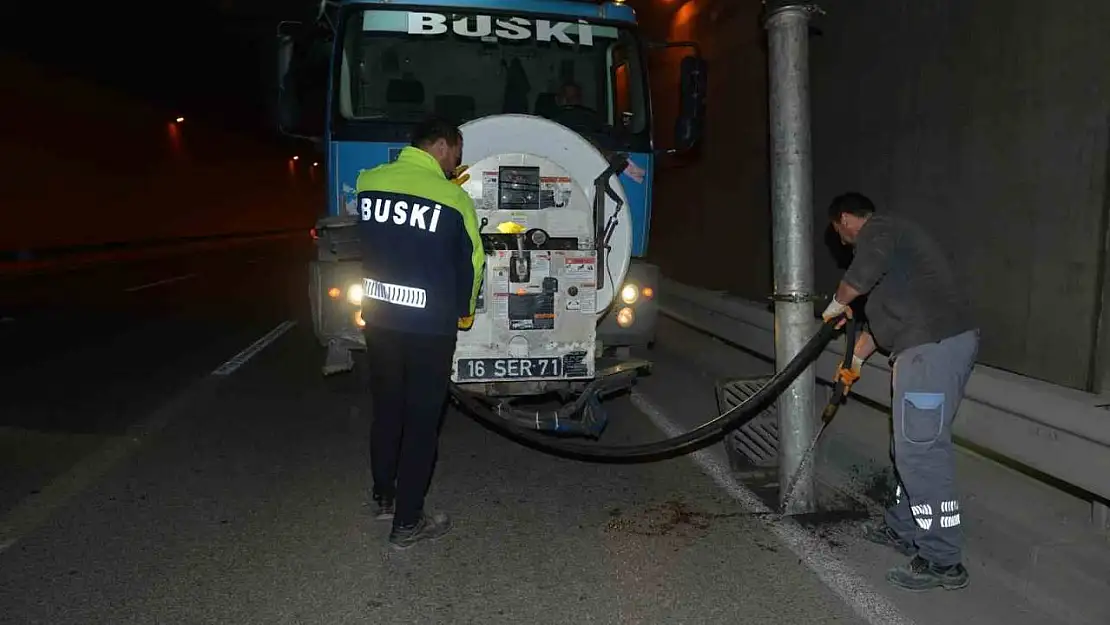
(408, 387)
(929, 383)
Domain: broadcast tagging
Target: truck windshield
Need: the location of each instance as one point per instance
(399, 66)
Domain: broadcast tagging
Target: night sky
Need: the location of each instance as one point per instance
(211, 59)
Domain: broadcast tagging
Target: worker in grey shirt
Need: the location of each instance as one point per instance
(916, 311)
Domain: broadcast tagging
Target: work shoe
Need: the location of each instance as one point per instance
(427, 528)
(385, 508)
(881, 534)
(920, 574)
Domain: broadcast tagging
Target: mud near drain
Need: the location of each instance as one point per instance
(678, 518)
(663, 519)
(878, 486)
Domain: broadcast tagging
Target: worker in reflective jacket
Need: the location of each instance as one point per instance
(918, 312)
(422, 262)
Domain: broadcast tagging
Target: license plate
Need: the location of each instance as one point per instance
(509, 368)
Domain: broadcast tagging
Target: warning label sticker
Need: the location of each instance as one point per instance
(587, 301)
(579, 268)
(489, 190)
(555, 191)
(501, 305)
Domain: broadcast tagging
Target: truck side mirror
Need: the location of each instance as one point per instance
(691, 104)
(302, 78)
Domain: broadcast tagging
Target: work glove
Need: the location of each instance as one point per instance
(467, 322)
(460, 176)
(835, 309)
(849, 376)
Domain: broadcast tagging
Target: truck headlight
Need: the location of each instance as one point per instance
(355, 294)
(625, 317)
(630, 293)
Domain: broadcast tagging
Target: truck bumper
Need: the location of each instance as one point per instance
(336, 321)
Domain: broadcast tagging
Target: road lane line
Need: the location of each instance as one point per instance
(240, 359)
(149, 285)
(35, 510)
(855, 591)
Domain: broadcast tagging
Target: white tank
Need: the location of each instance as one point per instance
(490, 142)
(538, 314)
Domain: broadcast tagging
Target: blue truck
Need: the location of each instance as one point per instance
(554, 101)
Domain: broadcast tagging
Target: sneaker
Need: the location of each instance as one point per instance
(427, 528)
(385, 508)
(882, 534)
(920, 574)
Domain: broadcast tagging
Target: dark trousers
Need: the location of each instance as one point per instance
(408, 386)
(929, 383)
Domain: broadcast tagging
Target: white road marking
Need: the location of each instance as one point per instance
(148, 285)
(31, 512)
(867, 603)
(238, 360)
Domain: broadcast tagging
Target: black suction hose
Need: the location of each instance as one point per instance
(702, 436)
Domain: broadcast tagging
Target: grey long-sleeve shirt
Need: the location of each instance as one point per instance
(915, 294)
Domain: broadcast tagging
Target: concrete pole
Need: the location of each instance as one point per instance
(787, 23)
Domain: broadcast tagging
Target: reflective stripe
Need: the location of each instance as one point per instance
(922, 514)
(395, 293)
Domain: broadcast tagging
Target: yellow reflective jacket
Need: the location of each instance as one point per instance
(422, 257)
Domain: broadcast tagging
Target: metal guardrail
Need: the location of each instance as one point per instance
(1060, 432)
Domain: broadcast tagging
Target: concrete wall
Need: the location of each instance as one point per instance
(985, 120)
(85, 165)
(710, 220)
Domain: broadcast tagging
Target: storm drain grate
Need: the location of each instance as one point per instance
(756, 442)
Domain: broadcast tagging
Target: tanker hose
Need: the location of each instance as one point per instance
(689, 442)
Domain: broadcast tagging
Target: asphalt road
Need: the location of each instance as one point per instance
(144, 481)
(139, 488)
(90, 352)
